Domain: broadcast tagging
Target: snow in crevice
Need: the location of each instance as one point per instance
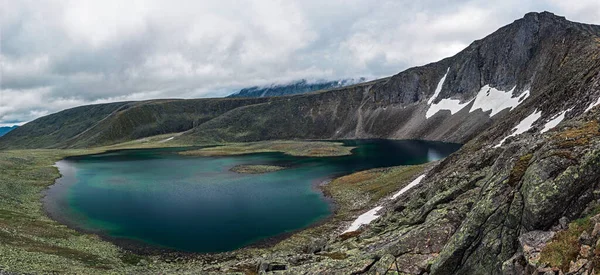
(523, 126)
(452, 105)
(490, 98)
(554, 122)
(365, 218)
(593, 105)
(371, 215)
(409, 186)
(438, 89)
(167, 139)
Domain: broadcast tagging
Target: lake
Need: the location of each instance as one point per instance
(158, 198)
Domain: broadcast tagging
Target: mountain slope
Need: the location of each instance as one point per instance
(297, 87)
(105, 124)
(522, 62)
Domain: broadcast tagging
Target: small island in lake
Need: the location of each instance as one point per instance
(255, 169)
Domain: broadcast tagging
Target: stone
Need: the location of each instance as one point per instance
(535, 239)
(596, 230)
(271, 266)
(584, 251)
(383, 265)
(532, 243)
(576, 266)
(515, 265)
(415, 263)
(585, 238)
(316, 245)
(563, 222)
(595, 219)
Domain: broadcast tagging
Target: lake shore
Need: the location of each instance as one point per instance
(32, 172)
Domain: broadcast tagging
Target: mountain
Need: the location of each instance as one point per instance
(530, 63)
(4, 130)
(297, 87)
(523, 101)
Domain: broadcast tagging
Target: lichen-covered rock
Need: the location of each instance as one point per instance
(532, 244)
(383, 265)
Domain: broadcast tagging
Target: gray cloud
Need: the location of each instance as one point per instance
(60, 54)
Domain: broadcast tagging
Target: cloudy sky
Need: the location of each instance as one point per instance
(60, 54)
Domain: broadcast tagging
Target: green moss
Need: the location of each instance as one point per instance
(372, 185)
(578, 136)
(131, 258)
(519, 169)
(564, 246)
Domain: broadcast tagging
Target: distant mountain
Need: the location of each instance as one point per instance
(4, 130)
(296, 87)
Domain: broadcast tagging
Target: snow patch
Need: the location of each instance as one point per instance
(493, 99)
(371, 215)
(165, 140)
(523, 126)
(409, 186)
(552, 123)
(438, 89)
(592, 105)
(365, 218)
(452, 105)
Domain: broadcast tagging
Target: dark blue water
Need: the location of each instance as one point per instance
(161, 198)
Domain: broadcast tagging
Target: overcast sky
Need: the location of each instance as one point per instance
(60, 54)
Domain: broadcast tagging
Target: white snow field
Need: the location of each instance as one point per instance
(552, 123)
(409, 186)
(365, 218)
(523, 126)
(493, 99)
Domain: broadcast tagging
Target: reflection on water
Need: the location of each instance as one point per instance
(433, 155)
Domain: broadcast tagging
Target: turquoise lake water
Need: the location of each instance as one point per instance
(159, 198)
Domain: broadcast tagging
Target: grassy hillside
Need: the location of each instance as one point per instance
(51, 131)
(105, 124)
(312, 116)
